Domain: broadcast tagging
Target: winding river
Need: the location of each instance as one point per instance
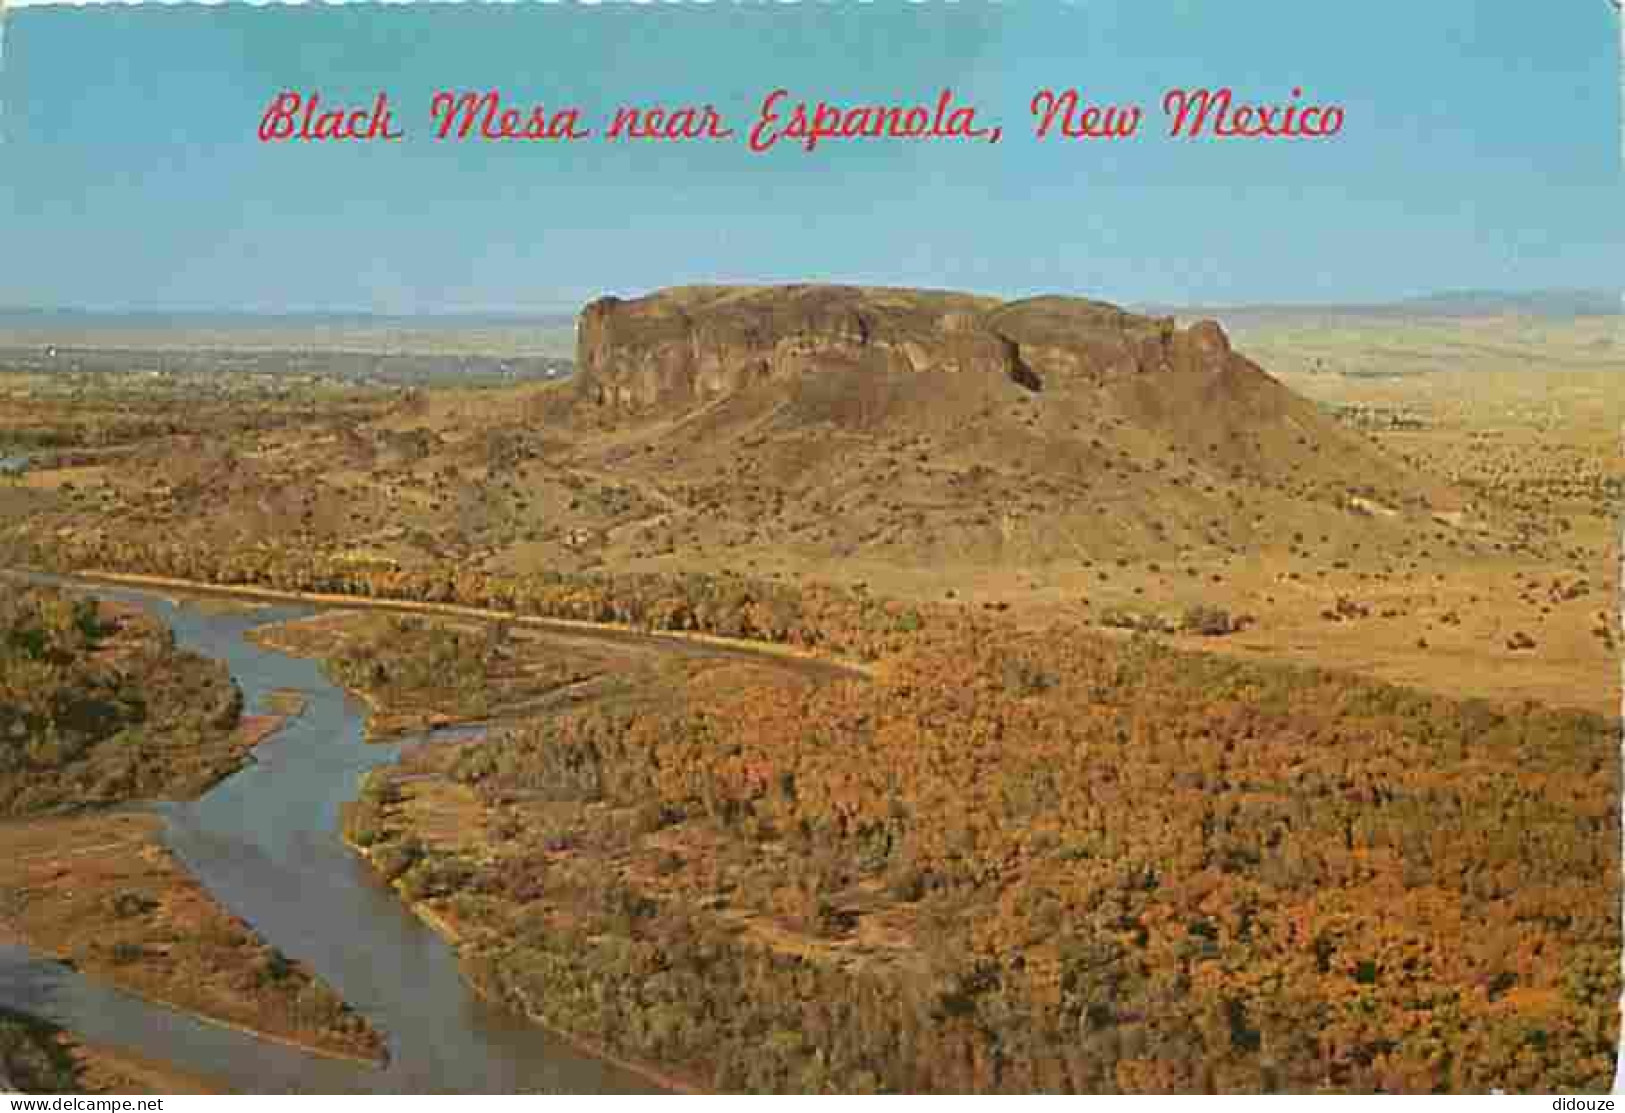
(265, 842)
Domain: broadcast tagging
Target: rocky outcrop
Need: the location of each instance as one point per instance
(692, 344)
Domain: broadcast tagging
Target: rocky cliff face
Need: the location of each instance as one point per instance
(692, 344)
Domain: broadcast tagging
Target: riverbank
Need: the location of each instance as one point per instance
(39, 1057)
(320, 637)
(810, 661)
(422, 674)
(117, 716)
(454, 938)
(111, 1070)
(329, 637)
(102, 893)
(262, 843)
(113, 711)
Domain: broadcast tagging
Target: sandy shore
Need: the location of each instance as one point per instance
(454, 939)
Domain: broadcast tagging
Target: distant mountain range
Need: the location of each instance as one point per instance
(1453, 303)
(1538, 303)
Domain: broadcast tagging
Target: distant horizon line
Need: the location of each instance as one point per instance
(1588, 301)
(341, 314)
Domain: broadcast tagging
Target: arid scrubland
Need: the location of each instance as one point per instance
(1427, 525)
(1214, 713)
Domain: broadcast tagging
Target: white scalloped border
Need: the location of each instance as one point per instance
(4, 4)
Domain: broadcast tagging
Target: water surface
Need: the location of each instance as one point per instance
(265, 842)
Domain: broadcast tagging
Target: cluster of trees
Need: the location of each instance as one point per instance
(154, 413)
(32, 1056)
(1204, 619)
(406, 662)
(421, 671)
(1086, 866)
(833, 619)
(99, 709)
(212, 963)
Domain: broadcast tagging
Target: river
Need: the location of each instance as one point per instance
(265, 842)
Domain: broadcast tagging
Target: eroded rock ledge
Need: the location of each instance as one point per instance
(697, 343)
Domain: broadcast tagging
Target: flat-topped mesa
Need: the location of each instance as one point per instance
(695, 343)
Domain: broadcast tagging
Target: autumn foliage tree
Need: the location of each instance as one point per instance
(1098, 866)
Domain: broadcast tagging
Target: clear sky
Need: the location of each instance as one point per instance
(1480, 152)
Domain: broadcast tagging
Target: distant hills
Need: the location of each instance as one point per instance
(1538, 303)
(551, 333)
(1544, 304)
(1450, 303)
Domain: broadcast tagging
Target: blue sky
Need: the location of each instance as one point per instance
(1480, 152)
